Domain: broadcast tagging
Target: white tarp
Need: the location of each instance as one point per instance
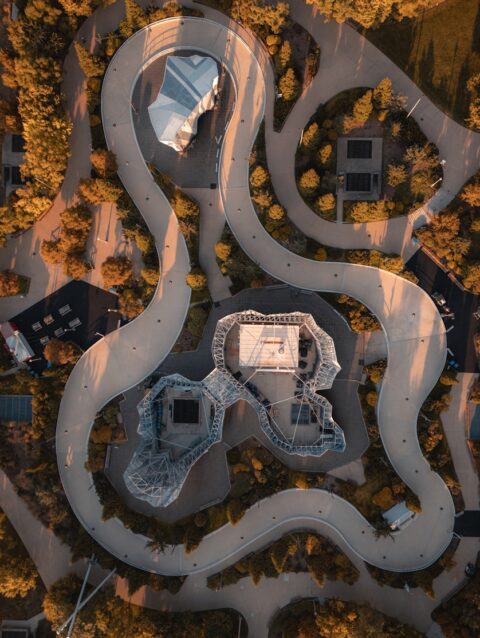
(188, 90)
(268, 346)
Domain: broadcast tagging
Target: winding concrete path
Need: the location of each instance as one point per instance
(415, 334)
(348, 60)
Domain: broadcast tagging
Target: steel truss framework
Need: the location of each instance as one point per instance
(155, 476)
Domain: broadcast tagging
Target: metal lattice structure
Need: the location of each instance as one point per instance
(156, 475)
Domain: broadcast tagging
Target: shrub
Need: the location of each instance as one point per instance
(284, 56)
(183, 206)
(368, 211)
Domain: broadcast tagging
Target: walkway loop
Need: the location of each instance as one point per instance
(414, 329)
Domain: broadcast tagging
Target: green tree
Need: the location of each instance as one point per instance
(289, 85)
(116, 271)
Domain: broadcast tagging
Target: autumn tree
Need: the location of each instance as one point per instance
(361, 112)
(18, 576)
(325, 154)
(396, 174)
(471, 191)
(311, 137)
(289, 85)
(365, 211)
(223, 250)
(129, 304)
(259, 16)
(276, 212)
(383, 94)
(309, 182)
(259, 177)
(116, 271)
(326, 203)
(284, 56)
(98, 190)
(184, 206)
(61, 352)
(10, 283)
(197, 280)
(104, 162)
(91, 65)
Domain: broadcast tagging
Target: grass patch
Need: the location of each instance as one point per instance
(439, 50)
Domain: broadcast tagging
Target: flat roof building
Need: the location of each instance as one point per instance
(274, 347)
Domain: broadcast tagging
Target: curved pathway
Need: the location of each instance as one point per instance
(415, 334)
(347, 60)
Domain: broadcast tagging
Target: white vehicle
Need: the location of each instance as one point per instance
(440, 299)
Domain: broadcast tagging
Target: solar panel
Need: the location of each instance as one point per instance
(358, 182)
(15, 407)
(359, 149)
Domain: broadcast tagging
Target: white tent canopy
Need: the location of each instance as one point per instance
(188, 90)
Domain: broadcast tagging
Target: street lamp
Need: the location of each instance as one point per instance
(435, 183)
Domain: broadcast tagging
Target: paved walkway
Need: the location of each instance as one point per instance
(414, 330)
(455, 427)
(415, 336)
(22, 254)
(348, 60)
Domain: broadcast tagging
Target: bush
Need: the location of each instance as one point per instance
(98, 190)
(223, 250)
